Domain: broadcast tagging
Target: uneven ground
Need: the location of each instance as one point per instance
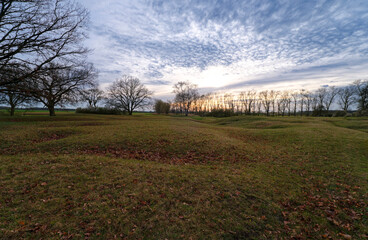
(156, 177)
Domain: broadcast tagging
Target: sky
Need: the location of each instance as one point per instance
(229, 45)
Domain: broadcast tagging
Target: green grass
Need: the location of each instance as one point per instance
(164, 177)
(21, 112)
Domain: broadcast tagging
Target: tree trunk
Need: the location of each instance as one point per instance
(51, 110)
(12, 110)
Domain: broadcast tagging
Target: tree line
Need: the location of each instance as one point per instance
(271, 103)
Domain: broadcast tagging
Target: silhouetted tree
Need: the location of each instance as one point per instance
(362, 95)
(331, 93)
(13, 97)
(266, 101)
(92, 96)
(308, 98)
(128, 94)
(35, 33)
(59, 85)
(185, 94)
(162, 107)
(346, 97)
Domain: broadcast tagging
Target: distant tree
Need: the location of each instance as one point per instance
(321, 95)
(35, 33)
(295, 97)
(266, 101)
(331, 93)
(302, 100)
(251, 99)
(92, 96)
(362, 95)
(315, 101)
(273, 97)
(346, 97)
(60, 85)
(259, 105)
(307, 100)
(287, 96)
(13, 97)
(128, 94)
(162, 107)
(185, 94)
(243, 98)
(282, 102)
(229, 101)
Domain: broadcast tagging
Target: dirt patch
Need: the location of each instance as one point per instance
(190, 157)
(268, 125)
(51, 136)
(87, 124)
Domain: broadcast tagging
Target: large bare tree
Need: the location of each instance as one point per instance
(35, 33)
(346, 97)
(128, 94)
(59, 85)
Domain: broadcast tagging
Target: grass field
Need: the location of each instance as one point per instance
(168, 177)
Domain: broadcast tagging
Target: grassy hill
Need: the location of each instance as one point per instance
(157, 177)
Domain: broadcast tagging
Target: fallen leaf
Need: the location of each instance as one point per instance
(346, 236)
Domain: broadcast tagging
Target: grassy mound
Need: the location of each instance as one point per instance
(149, 176)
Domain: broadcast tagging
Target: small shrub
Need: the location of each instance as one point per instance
(162, 107)
(220, 113)
(339, 114)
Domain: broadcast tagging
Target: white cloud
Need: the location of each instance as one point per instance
(241, 44)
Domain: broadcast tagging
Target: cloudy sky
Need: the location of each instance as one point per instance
(230, 45)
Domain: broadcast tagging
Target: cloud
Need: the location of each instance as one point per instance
(230, 44)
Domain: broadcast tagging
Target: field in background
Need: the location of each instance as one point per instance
(156, 177)
(22, 112)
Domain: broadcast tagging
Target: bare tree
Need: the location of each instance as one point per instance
(243, 98)
(346, 97)
(34, 33)
(60, 85)
(287, 97)
(330, 97)
(295, 96)
(247, 99)
(185, 94)
(282, 102)
(273, 97)
(229, 101)
(315, 102)
(301, 100)
(321, 95)
(266, 101)
(92, 96)
(308, 98)
(362, 90)
(128, 94)
(13, 97)
(259, 105)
